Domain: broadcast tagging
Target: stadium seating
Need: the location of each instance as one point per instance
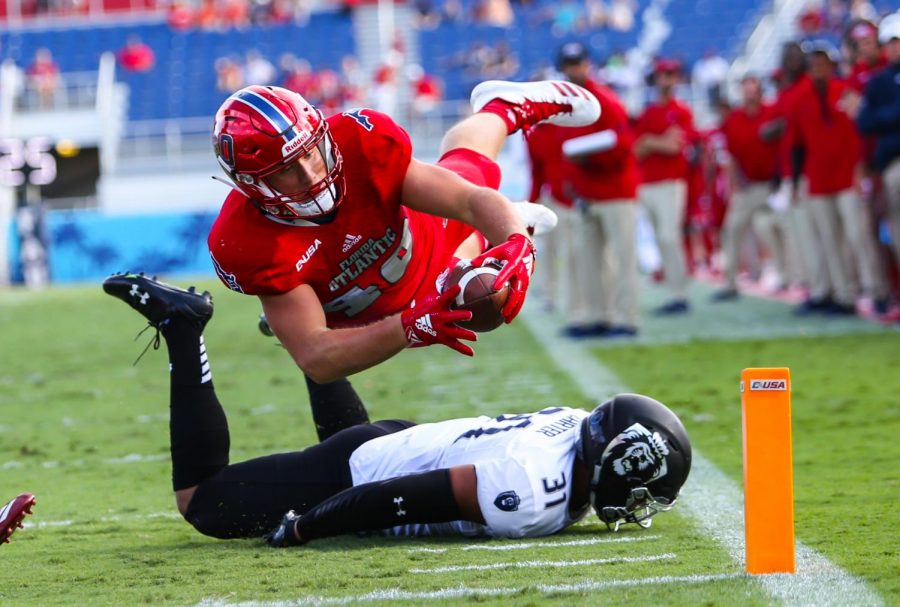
(183, 83)
(699, 26)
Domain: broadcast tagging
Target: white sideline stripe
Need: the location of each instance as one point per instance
(103, 519)
(588, 542)
(549, 544)
(711, 498)
(464, 591)
(133, 458)
(544, 564)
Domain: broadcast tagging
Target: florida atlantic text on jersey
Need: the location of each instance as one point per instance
(523, 466)
(371, 260)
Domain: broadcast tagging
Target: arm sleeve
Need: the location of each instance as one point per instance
(413, 499)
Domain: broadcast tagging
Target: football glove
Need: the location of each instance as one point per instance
(517, 257)
(432, 321)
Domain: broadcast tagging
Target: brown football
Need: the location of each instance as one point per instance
(477, 294)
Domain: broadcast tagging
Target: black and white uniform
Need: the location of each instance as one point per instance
(523, 464)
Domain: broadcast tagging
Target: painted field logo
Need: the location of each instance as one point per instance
(768, 384)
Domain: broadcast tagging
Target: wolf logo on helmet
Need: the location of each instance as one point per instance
(639, 456)
(637, 452)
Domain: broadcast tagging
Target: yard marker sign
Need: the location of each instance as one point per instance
(768, 476)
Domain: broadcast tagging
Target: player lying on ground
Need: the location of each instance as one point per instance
(511, 476)
(342, 233)
(13, 513)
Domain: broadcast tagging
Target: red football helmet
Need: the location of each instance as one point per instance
(261, 129)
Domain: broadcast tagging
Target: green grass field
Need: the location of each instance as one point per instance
(87, 433)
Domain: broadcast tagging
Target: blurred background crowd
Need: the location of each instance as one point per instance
(746, 143)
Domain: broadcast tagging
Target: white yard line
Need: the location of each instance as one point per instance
(503, 547)
(103, 519)
(548, 564)
(711, 498)
(461, 592)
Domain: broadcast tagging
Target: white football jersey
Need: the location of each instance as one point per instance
(523, 464)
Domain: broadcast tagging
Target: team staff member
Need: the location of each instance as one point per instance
(751, 172)
(868, 57)
(832, 146)
(513, 476)
(663, 132)
(791, 158)
(547, 189)
(879, 115)
(601, 170)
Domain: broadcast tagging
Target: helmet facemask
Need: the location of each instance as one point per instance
(320, 198)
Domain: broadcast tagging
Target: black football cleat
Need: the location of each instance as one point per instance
(12, 514)
(283, 535)
(158, 302)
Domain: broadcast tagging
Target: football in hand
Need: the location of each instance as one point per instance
(477, 294)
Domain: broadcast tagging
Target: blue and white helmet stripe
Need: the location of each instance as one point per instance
(278, 119)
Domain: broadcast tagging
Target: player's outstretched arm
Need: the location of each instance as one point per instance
(438, 191)
(324, 354)
(298, 320)
(438, 496)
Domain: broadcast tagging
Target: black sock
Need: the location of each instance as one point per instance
(335, 406)
(198, 428)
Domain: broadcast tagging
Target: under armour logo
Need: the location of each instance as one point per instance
(399, 502)
(142, 296)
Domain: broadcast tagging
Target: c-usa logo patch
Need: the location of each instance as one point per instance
(508, 501)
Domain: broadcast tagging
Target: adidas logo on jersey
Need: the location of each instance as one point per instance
(423, 324)
(349, 241)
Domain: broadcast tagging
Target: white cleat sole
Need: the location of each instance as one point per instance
(585, 107)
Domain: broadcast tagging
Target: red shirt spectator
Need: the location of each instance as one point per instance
(43, 76)
(136, 56)
(656, 119)
(754, 158)
(830, 137)
(611, 174)
(181, 16)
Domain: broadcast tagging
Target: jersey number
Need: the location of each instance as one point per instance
(357, 299)
(552, 486)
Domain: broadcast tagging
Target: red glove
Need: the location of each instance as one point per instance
(432, 321)
(517, 256)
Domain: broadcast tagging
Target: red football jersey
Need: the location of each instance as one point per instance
(372, 260)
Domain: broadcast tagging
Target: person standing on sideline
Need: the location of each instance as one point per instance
(832, 146)
(879, 115)
(547, 189)
(601, 170)
(751, 172)
(663, 132)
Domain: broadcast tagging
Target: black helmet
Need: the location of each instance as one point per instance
(638, 454)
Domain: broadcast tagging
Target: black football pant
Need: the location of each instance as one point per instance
(249, 498)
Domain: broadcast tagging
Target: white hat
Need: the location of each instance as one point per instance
(889, 28)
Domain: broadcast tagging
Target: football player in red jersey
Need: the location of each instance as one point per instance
(342, 233)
